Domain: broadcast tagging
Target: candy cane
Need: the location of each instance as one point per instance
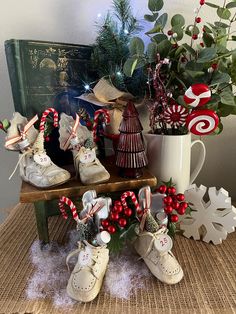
(99, 112)
(133, 198)
(44, 116)
(65, 200)
(197, 95)
(202, 122)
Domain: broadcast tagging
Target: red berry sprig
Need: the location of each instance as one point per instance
(172, 201)
(118, 218)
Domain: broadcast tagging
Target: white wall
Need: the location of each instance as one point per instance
(73, 21)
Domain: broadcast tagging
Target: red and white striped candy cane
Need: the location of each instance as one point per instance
(133, 198)
(97, 113)
(44, 116)
(65, 200)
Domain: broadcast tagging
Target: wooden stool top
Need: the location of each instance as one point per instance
(72, 188)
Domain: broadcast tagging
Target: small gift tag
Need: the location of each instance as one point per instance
(85, 257)
(87, 156)
(164, 243)
(42, 159)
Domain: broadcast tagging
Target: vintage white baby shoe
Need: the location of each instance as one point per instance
(155, 249)
(21, 133)
(78, 139)
(91, 171)
(86, 279)
(35, 165)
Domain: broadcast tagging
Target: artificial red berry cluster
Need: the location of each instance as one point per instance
(173, 202)
(118, 218)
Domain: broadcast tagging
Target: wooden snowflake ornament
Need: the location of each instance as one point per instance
(209, 221)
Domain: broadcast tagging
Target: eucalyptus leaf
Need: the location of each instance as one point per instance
(179, 31)
(221, 24)
(212, 5)
(207, 29)
(163, 48)
(151, 18)
(208, 40)
(227, 97)
(231, 5)
(159, 37)
(195, 30)
(179, 50)
(129, 66)
(223, 13)
(225, 110)
(155, 5)
(189, 49)
(221, 49)
(219, 77)
(177, 19)
(154, 30)
(134, 66)
(215, 99)
(195, 74)
(136, 46)
(219, 129)
(152, 52)
(233, 68)
(162, 20)
(206, 54)
(181, 101)
(193, 66)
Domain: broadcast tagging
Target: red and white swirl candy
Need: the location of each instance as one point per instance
(44, 117)
(202, 122)
(175, 115)
(197, 95)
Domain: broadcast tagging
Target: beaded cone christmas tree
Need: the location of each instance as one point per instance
(131, 156)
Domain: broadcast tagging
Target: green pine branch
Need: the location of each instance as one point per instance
(111, 48)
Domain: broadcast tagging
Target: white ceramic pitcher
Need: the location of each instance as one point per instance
(169, 156)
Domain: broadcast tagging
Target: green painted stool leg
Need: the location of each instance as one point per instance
(41, 214)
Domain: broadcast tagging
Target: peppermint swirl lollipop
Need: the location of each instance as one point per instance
(202, 122)
(197, 95)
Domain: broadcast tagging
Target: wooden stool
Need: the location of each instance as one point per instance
(46, 201)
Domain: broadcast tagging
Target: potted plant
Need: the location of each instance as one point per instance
(190, 73)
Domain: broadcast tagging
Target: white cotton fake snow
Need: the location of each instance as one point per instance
(124, 275)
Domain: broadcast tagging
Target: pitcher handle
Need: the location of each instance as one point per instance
(200, 162)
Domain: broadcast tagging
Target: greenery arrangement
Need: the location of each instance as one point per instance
(111, 48)
(196, 53)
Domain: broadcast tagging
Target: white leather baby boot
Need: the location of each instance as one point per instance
(91, 171)
(155, 249)
(86, 279)
(78, 138)
(35, 165)
(21, 134)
